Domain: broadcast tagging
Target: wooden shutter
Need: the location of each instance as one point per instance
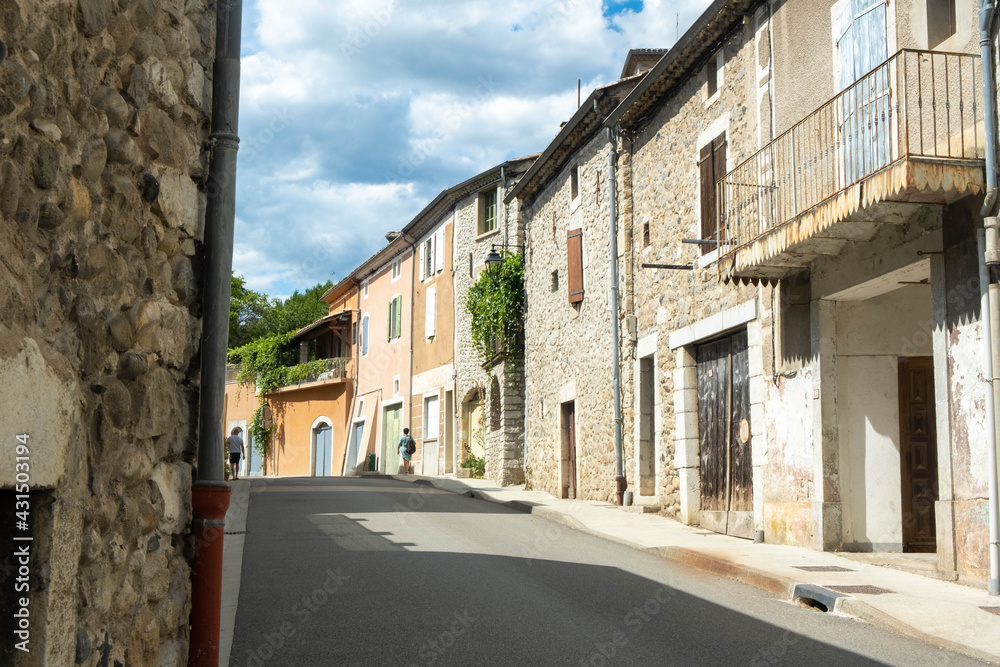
(423, 250)
(707, 175)
(719, 160)
(712, 165)
(388, 321)
(397, 321)
(439, 250)
(429, 312)
(364, 335)
(574, 261)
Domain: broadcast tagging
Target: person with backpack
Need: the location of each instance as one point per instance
(406, 448)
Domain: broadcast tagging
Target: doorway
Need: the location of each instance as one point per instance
(392, 430)
(723, 370)
(449, 432)
(918, 453)
(646, 453)
(322, 451)
(569, 486)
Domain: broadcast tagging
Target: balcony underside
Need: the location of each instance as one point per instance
(889, 196)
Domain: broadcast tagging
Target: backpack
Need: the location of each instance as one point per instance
(411, 446)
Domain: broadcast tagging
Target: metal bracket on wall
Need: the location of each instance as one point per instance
(674, 267)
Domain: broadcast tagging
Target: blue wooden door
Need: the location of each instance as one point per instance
(323, 450)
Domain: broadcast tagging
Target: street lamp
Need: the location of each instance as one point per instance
(494, 258)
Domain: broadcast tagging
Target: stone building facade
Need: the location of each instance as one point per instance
(568, 342)
(483, 197)
(104, 113)
(806, 380)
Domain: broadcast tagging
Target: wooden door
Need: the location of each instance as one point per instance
(724, 436)
(646, 449)
(322, 450)
(918, 453)
(569, 450)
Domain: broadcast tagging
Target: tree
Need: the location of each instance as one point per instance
(247, 310)
(253, 315)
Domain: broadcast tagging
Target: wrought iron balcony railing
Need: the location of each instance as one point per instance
(917, 106)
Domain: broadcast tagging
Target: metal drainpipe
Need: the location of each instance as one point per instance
(986, 11)
(210, 495)
(620, 482)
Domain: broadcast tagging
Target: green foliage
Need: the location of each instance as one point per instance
(253, 315)
(246, 312)
(476, 465)
(496, 304)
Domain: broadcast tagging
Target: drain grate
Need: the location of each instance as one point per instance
(992, 610)
(823, 568)
(860, 590)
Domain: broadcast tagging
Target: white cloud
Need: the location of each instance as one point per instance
(355, 113)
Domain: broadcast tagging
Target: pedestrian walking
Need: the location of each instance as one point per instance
(406, 448)
(235, 441)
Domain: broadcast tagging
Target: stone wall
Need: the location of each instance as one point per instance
(505, 445)
(662, 191)
(568, 347)
(103, 117)
(471, 378)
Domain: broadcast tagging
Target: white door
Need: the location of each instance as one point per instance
(431, 439)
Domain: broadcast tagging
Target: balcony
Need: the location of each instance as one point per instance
(319, 372)
(910, 131)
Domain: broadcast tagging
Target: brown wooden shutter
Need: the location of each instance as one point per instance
(719, 162)
(707, 169)
(574, 261)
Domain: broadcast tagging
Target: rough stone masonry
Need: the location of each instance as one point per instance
(104, 108)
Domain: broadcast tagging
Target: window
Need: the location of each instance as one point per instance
(496, 409)
(354, 333)
(395, 386)
(364, 287)
(430, 311)
(395, 317)
(712, 76)
(645, 234)
(361, 408)
(554, 287)
(397, 268)
(940, 21)
(427, 251)
(574, 265)
(574, 183)
(364, 335)
(712, 164)
(487, 211)
(431, 418)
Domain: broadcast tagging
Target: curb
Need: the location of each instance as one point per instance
(781, 587)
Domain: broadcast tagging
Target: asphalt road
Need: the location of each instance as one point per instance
(341, 572)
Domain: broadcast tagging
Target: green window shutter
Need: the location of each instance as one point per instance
(388, 326)
(399, 315)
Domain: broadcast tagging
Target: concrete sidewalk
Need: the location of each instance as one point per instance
(949, 615)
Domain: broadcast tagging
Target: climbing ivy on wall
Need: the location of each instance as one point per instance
(270, 363)
(496, 304)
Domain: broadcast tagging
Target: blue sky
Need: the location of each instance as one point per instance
(356, 113)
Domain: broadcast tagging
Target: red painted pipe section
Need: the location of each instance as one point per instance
(210, 502)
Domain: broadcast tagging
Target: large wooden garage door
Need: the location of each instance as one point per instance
(724, 435)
